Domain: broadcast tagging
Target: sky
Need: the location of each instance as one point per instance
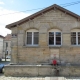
(14, 10)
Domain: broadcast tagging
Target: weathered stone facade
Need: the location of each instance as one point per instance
(42, 53)
(41, 70)
(53, 19)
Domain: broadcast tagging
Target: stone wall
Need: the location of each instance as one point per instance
(38, 70)
(29, 55)
(43, 52)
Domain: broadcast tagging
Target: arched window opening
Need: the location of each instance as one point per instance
(75, 37)
(32, 37)
(55, 37)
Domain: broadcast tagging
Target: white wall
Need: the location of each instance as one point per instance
(1, 47)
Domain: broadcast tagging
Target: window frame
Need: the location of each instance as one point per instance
(6, 44)
(7, 52)
(55, 38)
(76, 39)
(32, 31)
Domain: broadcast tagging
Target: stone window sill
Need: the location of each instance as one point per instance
(54, 45)
(31, 46)
(75, 45)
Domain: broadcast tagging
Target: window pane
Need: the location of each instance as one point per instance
(73, 33)
(78, 33)
(78, 37)
(58, 34)
(78, 40)
(58, 38)
(73, 38)
(29, 37)
(36, 37)
(6, 44)
(51, 38)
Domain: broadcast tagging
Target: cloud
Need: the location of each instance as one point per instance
(7, 17)
(1, 2)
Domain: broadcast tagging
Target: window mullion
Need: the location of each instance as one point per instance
(54, 38)
(61, 38)
(76, 38)
(26, 38)
(32, 37)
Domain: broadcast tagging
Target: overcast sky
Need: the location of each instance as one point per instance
(8, 9)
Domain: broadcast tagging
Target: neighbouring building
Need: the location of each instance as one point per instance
(1, 46)
(37, 39)
(7, 46)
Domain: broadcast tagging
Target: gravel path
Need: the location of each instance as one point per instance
(2, 77)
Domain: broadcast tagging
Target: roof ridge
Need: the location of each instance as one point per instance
(40, 12)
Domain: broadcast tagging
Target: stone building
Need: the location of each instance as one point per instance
(1, 46)
(7, 46)
(51, 32)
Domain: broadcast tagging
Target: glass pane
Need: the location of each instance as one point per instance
(73, 33)
(58, 40)
(58, 33)
(36, 40)
(29, 33)
(78, 40)
(36, 37)
(51, 38)
(29, 37)
(73, 40)
(51, 34)
(78, 34)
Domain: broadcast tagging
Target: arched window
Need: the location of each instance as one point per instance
(32, 37)
(55, 37)
(75, 37)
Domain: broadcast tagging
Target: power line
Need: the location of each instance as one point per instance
(20, 11)
(69, 4)
(63, 5)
